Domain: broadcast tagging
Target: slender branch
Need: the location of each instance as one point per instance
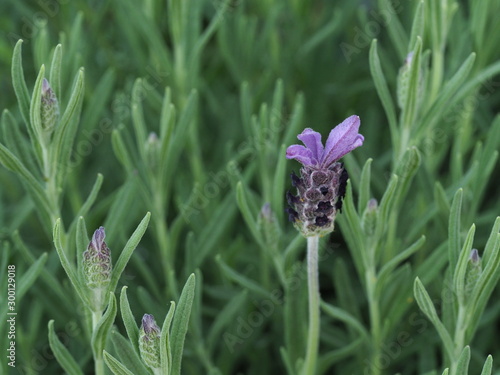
(314, 311)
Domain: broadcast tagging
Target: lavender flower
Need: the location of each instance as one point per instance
(149, 342)
(323, 179)
(97, 268)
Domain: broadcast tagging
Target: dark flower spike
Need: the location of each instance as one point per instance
(322, 182)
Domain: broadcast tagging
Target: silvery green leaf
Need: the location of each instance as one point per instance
(127, 251)
(115, 366)
(463, 362)
(129, 320)
(63, 356)
(101, 330)
(180, 324)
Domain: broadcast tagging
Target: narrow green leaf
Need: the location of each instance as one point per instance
(180, 324)
(454, 228)
(19, 84)
(138, 120)
(463, 362)
(248, 216)
(279, 185)
(121, 152)
(165, 347)
(81, 242)
(488, 365)
(410, 109)
(81, 290)
(30, 275)
(400, 257)
(115, 366)
(244, 281)
(101, 330)
(441, 199)
(425, 303)
(417, 29)
(129, 320)
(224, 318)
(55, 71)
(12, 163)
(65, 133)
(364, 186)
(347, 318)
(383, 91)
(62, 354)
(127, 354)
(91, 197)
(127, 252)
(461, 267)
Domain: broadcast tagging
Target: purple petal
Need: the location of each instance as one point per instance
(98, 238)
(342, 139)
(301, 154)
(312, 140)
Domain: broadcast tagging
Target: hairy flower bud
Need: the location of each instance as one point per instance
(149, 342)
(152, 148)
(268, 225)
(473, 272)
(97, 268)
(369, 219)
(49, 109)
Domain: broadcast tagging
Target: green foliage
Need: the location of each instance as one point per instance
(174, 121)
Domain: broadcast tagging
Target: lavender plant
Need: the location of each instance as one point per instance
(167, 124)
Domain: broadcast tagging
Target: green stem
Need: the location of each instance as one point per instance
(371, 283)
(459, 338)
(314, 312)
(98, 359)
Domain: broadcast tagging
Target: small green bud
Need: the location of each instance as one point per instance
(97, 268)
(149, 342)
(152, 148)
(268, 225)
(49, 109)
(473, 272)
(370, 216)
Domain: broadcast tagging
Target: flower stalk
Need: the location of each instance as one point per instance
(314, 306)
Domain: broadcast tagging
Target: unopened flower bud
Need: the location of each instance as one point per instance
(152, 148)
(97, 268)
(473, 272)
(268, 225)
(49, 109)
(149, 342)
(369, 219)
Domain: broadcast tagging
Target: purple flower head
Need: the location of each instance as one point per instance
(150, 327)
(342, 139)
(323, 179)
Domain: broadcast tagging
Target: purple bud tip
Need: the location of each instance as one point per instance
(45, 86)
(372, 204)
(153, 137)
(98, 238)
(266, 211)
(474, 256)
(149, 324)
(409, 57)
